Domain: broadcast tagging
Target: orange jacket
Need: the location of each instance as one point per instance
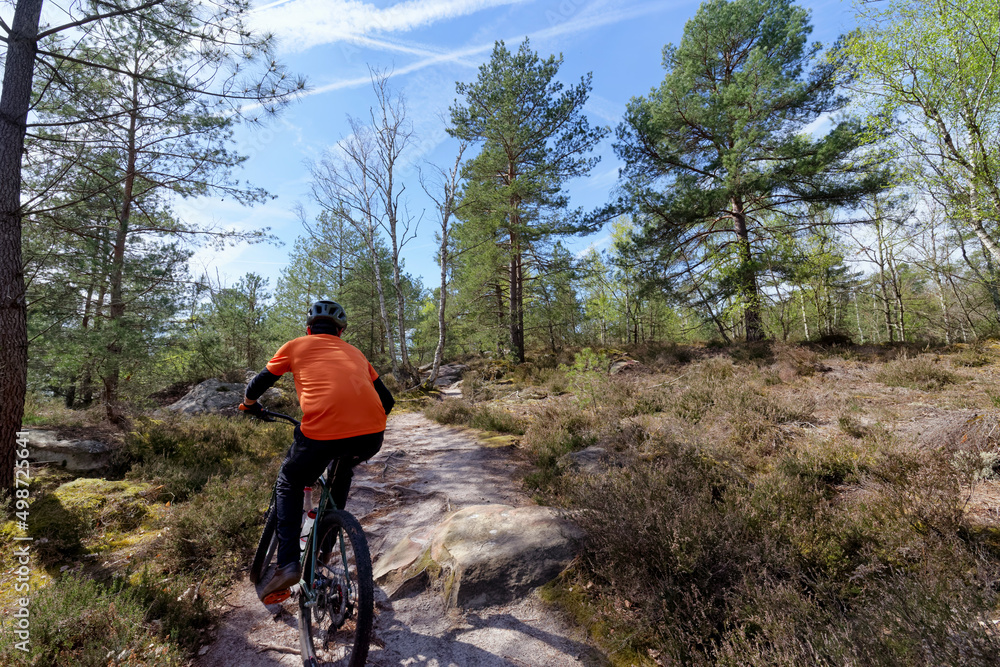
(333, 380)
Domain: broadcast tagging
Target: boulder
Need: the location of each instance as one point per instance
(625, 366)
(590, 461)
(481, 555)
(75, 455)
(216, 397)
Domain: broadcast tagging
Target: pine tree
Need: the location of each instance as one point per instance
(534, 138)
(720, 144)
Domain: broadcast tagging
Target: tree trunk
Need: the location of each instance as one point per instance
(406, 376)
(500, 316)
(88, 305)
(386, 322)
(747, 276)
(805, 320)
(857, 315)
(946, 321)
(442, 302)
(887, 305)
(87, 383)
(410, 377)
(516, 313)
(116, 308)
(14, 101)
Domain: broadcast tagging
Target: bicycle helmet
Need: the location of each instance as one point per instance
(327, 311)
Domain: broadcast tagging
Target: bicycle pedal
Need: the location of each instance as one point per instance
(277, 597)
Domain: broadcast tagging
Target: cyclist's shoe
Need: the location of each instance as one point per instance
(284, 578)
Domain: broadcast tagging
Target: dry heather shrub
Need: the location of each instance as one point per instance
(657, 539)
(449, 411)
(706, 382)
(484, 417)
(792, 362)
(784, 571)
(183, 454)
(74, 621)
(733, 405)
(752, 353)
(215, 533)
(975, 356)
(553, 433)
(662, 356)
(921, 373)
(490, 418)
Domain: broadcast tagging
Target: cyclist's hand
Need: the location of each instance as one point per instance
(256, 410)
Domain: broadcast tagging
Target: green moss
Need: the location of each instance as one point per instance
(570, 596)
(65, 521)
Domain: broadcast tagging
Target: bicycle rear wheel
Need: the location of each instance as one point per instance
(267, 545)
(335, 625)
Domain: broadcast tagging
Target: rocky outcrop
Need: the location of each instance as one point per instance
(75, 455)
(481, 555)
(448, 374)
(216, 397)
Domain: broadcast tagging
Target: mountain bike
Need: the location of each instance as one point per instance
(336, 593)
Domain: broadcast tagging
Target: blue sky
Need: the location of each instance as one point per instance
(429, 45)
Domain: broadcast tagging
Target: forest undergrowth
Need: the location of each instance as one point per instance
(770, 505)
(127, 570)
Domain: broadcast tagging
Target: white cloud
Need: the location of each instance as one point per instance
(820, 126)
(459, 56)
(594, 245)
(301, 24)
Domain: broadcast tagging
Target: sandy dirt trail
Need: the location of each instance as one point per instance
(424, 471)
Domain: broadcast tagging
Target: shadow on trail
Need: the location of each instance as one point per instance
(585, 653)
(513, 643)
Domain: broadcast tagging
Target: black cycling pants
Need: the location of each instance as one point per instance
(304, 463)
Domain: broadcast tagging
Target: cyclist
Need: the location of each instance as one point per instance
(344, 408)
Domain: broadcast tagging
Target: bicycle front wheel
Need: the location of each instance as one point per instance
(267, 545)
(336, 614)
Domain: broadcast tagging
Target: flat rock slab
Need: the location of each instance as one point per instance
(75, 455)
(482, 555)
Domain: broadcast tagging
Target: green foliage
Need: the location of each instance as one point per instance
(79, 621)
(588, 377)
(215, 533)
(183, 456)
(323, 265)
(948, 95)
(233, 330)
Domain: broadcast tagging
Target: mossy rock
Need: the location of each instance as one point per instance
(63, 520)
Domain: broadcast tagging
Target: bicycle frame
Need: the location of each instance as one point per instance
(310, 554)
(308, 558)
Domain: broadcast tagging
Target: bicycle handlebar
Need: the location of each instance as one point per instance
(277, 415)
